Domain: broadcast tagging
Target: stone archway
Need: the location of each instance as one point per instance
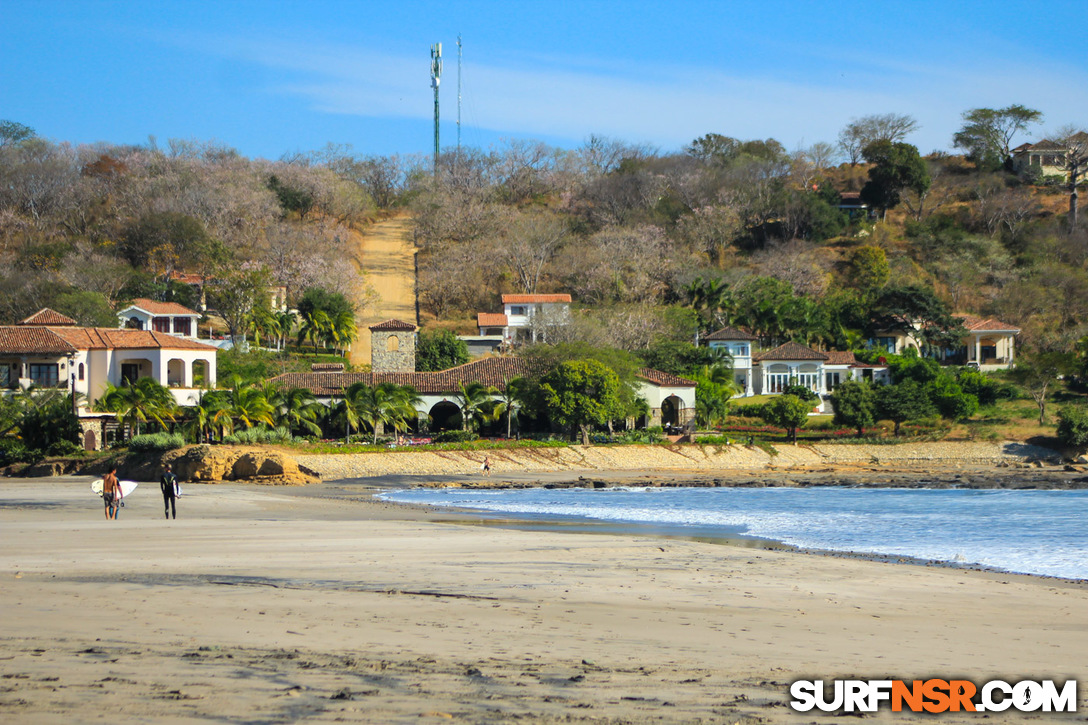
(445, 416)
(90, 441)
(670, 411)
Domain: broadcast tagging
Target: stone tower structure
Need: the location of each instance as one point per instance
(393, 347)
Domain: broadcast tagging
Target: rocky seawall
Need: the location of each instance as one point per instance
(682, 458)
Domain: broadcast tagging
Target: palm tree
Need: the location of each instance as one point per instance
(513, 396)
(473, 400)
(295, 409)
(405, 407)
(262, 323)
(285, 322)
(211, 412)
(315, 326)
(248, 405)
(342, 330)
(355, 397)
(136, 403)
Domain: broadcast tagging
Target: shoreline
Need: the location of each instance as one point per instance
(281, 604)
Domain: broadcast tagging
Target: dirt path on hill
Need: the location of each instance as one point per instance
(386, 254)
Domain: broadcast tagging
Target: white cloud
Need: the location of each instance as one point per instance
(664, 105)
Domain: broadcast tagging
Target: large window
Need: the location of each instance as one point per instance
(777, 382)
(809, 380)
(832, 381)
(181, 326)
(161, 324)
(5, 376)
(43, 375)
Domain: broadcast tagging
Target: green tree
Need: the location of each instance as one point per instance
(296, 409)
(868, 270)
(235, 295)
(895, 167)
(138, 402)
(854, 403)
(789, 412)
(249, 405)
(679, 357)
(439, 350)
(950, 400)
(987, 133)
(514, 396)
(1073, 427)
(904, 401)
(90, 309)
(714, 391)
(580, 394)
(315, 325)
(475, 403)
(161, 240)
(915, 308)
(863, 131)
(1036, 373)
(13, 133)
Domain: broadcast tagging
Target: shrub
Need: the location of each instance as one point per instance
(15, 451)
(455, 436)
(1073, 427)
(754, 410)
(258, 436)
(64, 448)
(156, 442)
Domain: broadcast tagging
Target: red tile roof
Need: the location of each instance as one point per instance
(393, 325)
(974, 323)
(32, 340)
(494, 372)
(534, 299)
(730, 333)
(491, 319)
(840, 357)
(46, 316)
(791, 351)
(657, 377)
(161, 308)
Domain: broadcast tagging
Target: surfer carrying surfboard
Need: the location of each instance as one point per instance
(169, 486)
(111, 493)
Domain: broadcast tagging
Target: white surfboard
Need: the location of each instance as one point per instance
(127, 487)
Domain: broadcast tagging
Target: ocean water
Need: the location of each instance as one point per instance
(1031, 532)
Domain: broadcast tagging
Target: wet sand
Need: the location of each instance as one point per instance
(267, 605)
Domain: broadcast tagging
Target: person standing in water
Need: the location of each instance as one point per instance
(169, 486)
(111, 493)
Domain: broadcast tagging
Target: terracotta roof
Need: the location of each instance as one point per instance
(491, 371)
(32, 340)
(840, 357)
(730, 333)
(188, 277)
(46, 316)
(494, 372)
(394, 325)
(491, 319)
(533, 299)
(160, 308)
(108, 338)
(327, 367)
(974, 323)
(791, 351)
(668, 379)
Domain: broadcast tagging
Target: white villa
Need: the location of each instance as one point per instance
(990, 344)
(671, 399)
(49, 350)
(771, 372)
(168, 317)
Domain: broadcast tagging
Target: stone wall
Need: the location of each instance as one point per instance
(393, 351)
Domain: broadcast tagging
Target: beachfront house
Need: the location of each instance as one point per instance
(49, 350)
(670, 398)
(989, 344)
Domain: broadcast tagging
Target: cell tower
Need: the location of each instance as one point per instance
(436, 78)
(458, 95)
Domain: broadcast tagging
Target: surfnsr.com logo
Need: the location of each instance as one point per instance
(933, 695)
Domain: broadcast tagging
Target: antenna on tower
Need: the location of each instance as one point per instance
(436, 78)
(458, 95)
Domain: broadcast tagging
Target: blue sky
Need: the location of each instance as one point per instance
(277, 77)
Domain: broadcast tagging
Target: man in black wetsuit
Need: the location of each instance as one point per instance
(169, 486)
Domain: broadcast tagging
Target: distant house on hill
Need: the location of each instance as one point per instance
(525, 318)
(990, 344)
(1046, 154)
(167, 317)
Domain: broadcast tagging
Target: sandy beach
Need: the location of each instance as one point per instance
(270, 605)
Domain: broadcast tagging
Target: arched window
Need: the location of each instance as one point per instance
(392, 344)
(81, 371)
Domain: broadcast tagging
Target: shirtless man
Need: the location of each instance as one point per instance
(111, 493)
